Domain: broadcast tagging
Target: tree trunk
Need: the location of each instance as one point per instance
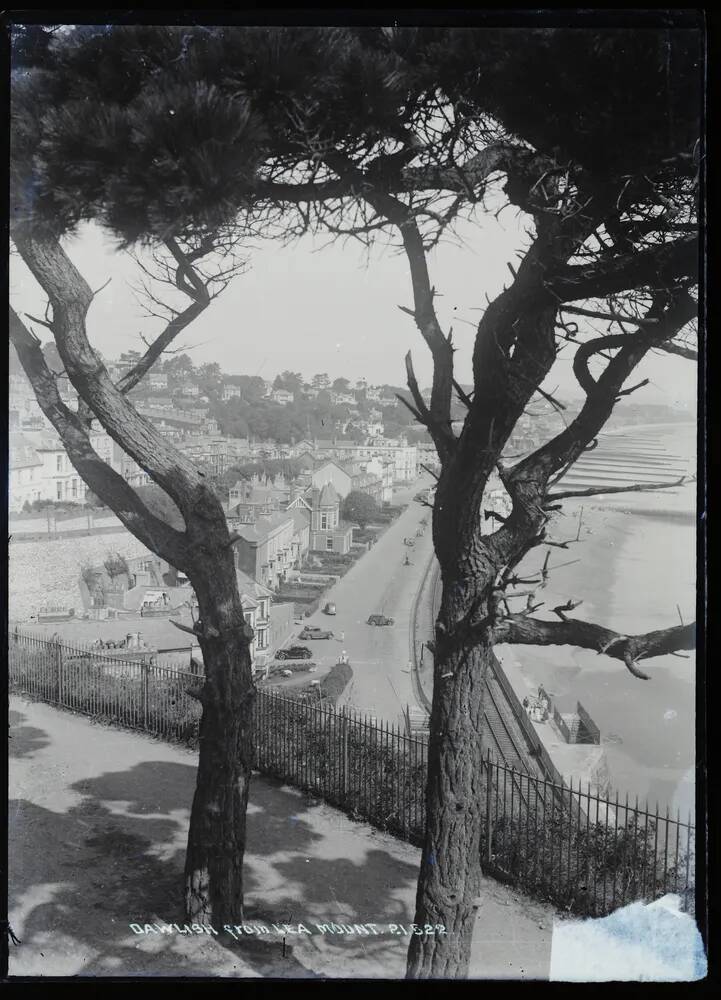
(216, 838)
(450, 874)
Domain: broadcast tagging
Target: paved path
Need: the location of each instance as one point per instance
(97, 832)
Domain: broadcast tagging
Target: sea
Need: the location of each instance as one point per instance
(634, 568)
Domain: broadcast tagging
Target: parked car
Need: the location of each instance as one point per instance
(329, 609)
(313, 632)
(379, 620)
(294, 653)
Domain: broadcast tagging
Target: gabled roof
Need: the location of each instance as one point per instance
(328, 496)
(41, 440)
(301, 502)
(263, 526)
(22, 452)
(250, 589)
(324, 462)
(301, 517)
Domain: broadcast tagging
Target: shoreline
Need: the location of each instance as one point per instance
(647, 728)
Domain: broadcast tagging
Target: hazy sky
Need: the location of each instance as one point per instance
(330, 310)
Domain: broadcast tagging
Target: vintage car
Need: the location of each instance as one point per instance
(294, 653)
(329, 609)
(313, 632)
(379, 620)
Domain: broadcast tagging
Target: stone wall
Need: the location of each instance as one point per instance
(47, 572)
(281, 624)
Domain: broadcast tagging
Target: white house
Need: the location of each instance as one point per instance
(282, 396)
(331, 472)
(255, 600)
(25, 472)
(157, 380)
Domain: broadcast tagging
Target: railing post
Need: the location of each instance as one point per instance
(489, 826)
(344, 736)
(59, 672)
(144, 671)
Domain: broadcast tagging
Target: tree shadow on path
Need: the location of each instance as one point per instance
(79, 878)
(24, 741)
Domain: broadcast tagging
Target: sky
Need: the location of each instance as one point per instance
(311, 308)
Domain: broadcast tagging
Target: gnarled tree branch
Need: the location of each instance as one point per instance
(522, 630)
(657, 267)
(103, 480)
(635, 488)
(70, 298)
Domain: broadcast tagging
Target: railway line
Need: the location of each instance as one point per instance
(505, 739)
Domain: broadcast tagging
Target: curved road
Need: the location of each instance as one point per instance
(379, 583)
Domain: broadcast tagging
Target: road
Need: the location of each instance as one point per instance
(379, 583)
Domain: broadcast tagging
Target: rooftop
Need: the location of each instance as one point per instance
(250, 587)
(264, 526)
(328, 496)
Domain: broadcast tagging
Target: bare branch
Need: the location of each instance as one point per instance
(71, 297)
(521, 630)
(670, 347)
(424, 314)
(102, 479)
(464, 397)
(610, 316)
(41, 322)
(657, 267)
(185, 628)
(601, 491)
(632, 388)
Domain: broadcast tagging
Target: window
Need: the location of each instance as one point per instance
(329, 544)
(59, 490)
(324, 522)
(75, 487)
(58, 463)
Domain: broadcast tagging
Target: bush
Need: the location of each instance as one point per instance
(359, 508)
(59, 506)
(116, 565)
(334, 684)
(364, 535)
(584, 869)
(93, 578)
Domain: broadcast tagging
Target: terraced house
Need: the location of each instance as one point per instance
(256, 602)
(327, 531)
(264, 550)
(25, 472)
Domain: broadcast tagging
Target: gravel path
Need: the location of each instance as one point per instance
(97, 826)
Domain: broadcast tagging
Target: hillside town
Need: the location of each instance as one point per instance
(365, 428)
(290, 499)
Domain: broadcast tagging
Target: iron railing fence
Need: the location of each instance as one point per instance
(586, 853)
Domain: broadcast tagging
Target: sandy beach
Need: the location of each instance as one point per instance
(636, 562)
